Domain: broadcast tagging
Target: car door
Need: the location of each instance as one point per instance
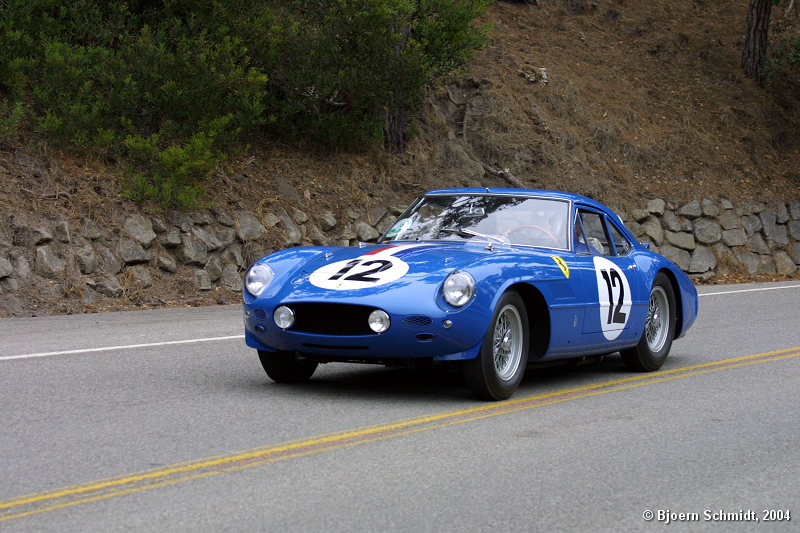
(610, 280)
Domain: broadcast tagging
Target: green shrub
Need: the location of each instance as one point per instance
(169, 88)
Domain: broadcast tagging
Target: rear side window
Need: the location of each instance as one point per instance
(594, 229)
(623, 245)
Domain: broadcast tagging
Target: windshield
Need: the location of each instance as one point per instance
(496, 218)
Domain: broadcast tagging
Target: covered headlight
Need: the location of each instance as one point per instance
(458, 288)
(378, 321)
(258, 278)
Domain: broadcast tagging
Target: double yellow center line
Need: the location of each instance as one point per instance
(179, 473)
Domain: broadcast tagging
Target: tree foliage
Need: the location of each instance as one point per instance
(170, 87)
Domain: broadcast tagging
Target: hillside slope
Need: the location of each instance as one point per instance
(621, 101)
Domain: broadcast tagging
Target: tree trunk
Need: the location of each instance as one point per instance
(755, 42)
(394, 131)
(394, 128)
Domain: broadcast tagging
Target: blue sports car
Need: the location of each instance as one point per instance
(491, 278)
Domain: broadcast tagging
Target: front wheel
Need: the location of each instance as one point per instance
(659, 329)
(498, 369)
(286, 367)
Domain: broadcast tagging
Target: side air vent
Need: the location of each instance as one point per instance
(416, 321)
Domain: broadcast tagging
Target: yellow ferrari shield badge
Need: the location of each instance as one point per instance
(562, 265)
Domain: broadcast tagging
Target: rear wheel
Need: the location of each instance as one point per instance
(286, 367)
(659, 329)
(498, 369)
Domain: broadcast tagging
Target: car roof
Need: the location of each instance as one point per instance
(557, 195)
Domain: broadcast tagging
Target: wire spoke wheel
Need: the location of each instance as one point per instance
(507, 342)
(657, 320)
(499, 366)
(659, 329)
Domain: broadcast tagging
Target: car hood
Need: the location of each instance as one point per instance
(355, 273)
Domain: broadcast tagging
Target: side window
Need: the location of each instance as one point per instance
(595, 231)
(622, 244)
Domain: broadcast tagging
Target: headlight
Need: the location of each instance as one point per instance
(378, 321)
(258, 278)
(284, 317)
(458, 288)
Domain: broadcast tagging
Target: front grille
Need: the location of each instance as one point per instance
(260, 314)
(331, 319)
(417, 321)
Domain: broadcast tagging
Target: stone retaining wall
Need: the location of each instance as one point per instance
(210, 250)
(715, 237)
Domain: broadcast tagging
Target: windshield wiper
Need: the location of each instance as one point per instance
(472, 233)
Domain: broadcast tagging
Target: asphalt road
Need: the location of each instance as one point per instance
(164, 421)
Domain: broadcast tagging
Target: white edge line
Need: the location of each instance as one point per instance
(231, 337)
(750, 290)
(123, 347)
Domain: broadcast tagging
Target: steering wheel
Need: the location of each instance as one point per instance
(533, 226)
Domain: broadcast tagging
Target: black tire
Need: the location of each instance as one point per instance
(286, 367)
(498, 369)
(659, 329)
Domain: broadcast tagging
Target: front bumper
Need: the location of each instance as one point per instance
(438, 336)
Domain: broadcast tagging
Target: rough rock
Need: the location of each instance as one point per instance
(691, 210)
(794, 210)
(677, 256)
(794, 229)
(709, 208)
(299, 216)
(729, 220)
(707, 231)
(131, 252)
(233, 254)
(652, 228)
(656, 206)
(231, 279)
(249, 228)
(140, 228)
(110, 287)
(782, 213)
(207, 237)
(142, 276)
(202, 280)
(375, 215)
(670, 221)
(171, 239)
(768, 219)
(757, 244)
(48, 263)
(167, 263)
(751, 224)
(794, 252)
(749, 260)
(734, 237)
(293, 234)
(181, 221)
(365, 232)
(110, 262)
(6, 269)
(61, 231)
(327, 221)
(703, 260)
(779, 237)
(784, 264)
(214, 268)
(86, 259)
(681, 240)
(192, 251)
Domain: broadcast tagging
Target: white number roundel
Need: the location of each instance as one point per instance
(359, 273)
(614, 295)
